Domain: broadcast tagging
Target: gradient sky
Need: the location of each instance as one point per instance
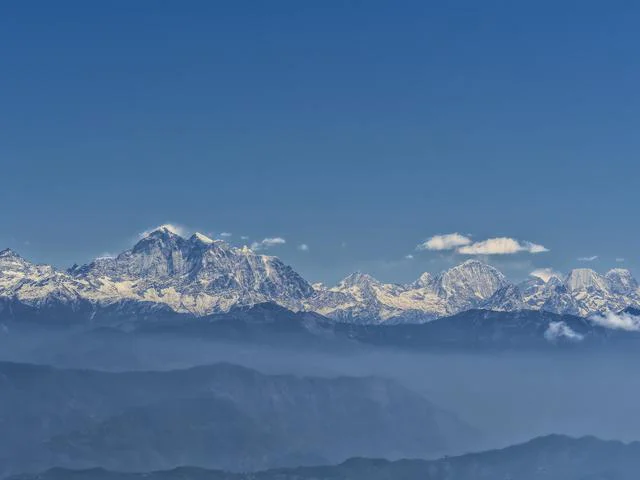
(359, 128)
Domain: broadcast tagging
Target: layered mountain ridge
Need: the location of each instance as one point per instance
(552, 457)
(214, 416)
(201, 276)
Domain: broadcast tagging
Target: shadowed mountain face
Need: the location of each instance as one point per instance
(272, 325)
(486, 330)
(220, 416)
(470, 330)
(545, 458)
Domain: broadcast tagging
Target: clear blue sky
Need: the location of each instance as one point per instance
(359, 128)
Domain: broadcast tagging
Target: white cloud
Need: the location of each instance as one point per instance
(169, 227)
(501, 246)
(619, 259)
(447, 241)
(545, 273)
(588, 259)
(225, 234)
(268, 243)
(617, 321)
(535, 248)
(303, 247)
(560, 330)
(244, 237)
(409, 257)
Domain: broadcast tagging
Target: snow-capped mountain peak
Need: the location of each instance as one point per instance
(34, 284)
(585, 279)
(166, 228)
(358, 279)
(202, 238)
(362, 298)
(507, 298)
(8, 253)
(424, 281)
(11, 261)
(469, 283)
(198, 275)
(201, 275)
(582, 292)
(621, 281)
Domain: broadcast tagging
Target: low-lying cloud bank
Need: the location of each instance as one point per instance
(618, 321)
(560, 330)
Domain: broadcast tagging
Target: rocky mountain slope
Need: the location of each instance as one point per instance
(201, 276)
(363, 299)
(471, 285)
(196, 275)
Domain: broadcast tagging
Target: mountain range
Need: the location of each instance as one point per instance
(201, 276)
(212, 416)
(553, 457)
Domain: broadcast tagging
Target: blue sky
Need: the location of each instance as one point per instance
(360, 129)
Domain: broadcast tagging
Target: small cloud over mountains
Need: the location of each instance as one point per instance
(268, 243)
(169, 227)
(501, 246)
(448, 241)
(618, 321)
(462, 244)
